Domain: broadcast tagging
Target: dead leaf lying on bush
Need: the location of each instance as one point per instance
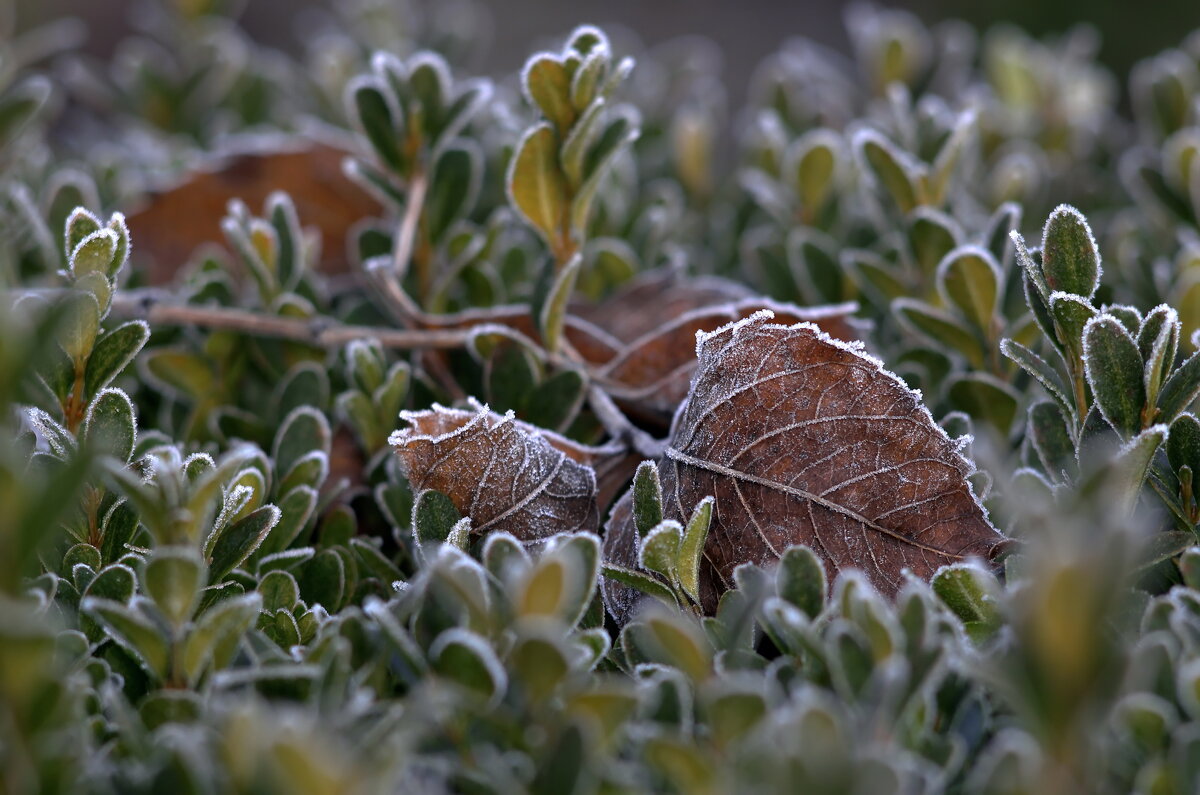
(171, 224)
(650, 377)
(642, 304)
(505, 474)
(805, 440)
(639, 344)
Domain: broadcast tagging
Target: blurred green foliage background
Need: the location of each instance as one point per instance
(745, 30)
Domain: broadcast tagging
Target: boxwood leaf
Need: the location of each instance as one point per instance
(1114, 371)
(800, 579)
(691, 548)
(659, 549)
(132, 630)
(110, 426)
(173, 578)
(1180, 390)
(536, 185)
(239, 540)
(114, 350)
(1070, 257)
(969, 278)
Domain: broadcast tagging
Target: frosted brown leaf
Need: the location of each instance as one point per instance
(502, 473)
(804, 439)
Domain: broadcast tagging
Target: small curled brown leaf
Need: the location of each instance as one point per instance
(803, 439)
(504, 474)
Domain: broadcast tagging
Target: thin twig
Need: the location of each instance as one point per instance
(619, 427)
(318, 331)
(407, 234)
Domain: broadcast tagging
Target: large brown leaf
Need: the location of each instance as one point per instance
(169, 225)
(803, 439)
(505, 474)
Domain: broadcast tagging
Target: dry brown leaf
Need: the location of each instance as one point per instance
(171, 224)
(654, 297)
(803, 439)
(650, 377)
(506, 474)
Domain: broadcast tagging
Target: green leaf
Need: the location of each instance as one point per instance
(984, 397)
(457, 177)
(733, 713)
(659, 549)
(1189, 567)
(691, 548)
(1157, 341)
(434, 516)
(639, 582)
(553, 314)
(504, 556)
(1070, 313)
(1183, 443)
(969, 279)
(21, 103)
(1121, 481)
(555, 401)
(370, 109)
(574, 150)
(79, 225)
(134, 632)
(323, 580)
(187, 374)
(1041, 371)
(814, 164)
(1051, 435)
(117, 529)
(586, 80)
(1163, 546)
(94, 254)
(647, 498)
(364, 364)
(114, 350)
(1070, 258)
(81, 323)
(973, 595)
(889, 167)
(173, 578)
(548, 87)
(459, 655)
(110, 426)
(303, 430)
(800, 579)
(932, 235)
(115, 582)
(374, 561)
(510, 374)
(939, 326)
(539, 664)
(359, 412)
(239, 540)
(295, 509)
(219, 630)
(620, 132)
(680, 643)
(1180, 390)
(1114, 371)
(537, 187)
(279, 590)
